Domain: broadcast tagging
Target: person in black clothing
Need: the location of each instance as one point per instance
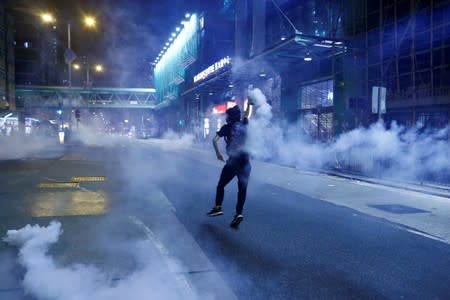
(238, 163)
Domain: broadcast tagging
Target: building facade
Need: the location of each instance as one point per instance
(406, 48)
(36, 44)
(7, 67)
(334, 65)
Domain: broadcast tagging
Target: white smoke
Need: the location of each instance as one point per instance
(260, 129)
(46, 279)
(172, 140)
(91, 136)
(396, 152)
(19, 146)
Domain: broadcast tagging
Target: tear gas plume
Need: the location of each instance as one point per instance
(91, 136)
(19, 146)
(172, 140)
(397, 152)
(46, 279)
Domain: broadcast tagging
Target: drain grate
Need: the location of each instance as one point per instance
(398, 209)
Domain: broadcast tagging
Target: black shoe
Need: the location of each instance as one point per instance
(215, 211)
(236, 221)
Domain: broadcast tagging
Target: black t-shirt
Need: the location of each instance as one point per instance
(225, 132)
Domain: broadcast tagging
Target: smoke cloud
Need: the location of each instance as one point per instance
(398, 152)
(172, 140)
(20, 146)
(90, 136)
(46, 279)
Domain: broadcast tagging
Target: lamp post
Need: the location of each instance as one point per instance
(97, 68)
(69, 55)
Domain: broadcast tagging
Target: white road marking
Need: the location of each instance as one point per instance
(172, 263)
(424, 234)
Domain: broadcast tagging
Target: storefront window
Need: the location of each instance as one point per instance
(317, 94)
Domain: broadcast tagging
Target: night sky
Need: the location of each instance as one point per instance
(129, 35)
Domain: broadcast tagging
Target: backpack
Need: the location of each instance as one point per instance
(236, 140)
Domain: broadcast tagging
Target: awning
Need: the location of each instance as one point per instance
(279, 57)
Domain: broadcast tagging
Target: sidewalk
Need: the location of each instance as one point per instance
(419, 209)
(428, 188)
(422, 187)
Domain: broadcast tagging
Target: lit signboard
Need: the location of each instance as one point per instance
(222, 108)
(212, 69)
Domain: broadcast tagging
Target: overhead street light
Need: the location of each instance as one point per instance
(90, 21)
(47, 18)
(97, 68)
(69, 55)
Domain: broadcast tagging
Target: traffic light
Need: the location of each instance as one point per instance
(60, 109)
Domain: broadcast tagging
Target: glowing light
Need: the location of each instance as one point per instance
(47, 18)
(307, 57)
(76, 66)
(330, 95)
(90, 21)
(98, 68)
(174, 34)
(61, 137)
(184, 35)
(177, 29)
(323, 45)
(187, 15)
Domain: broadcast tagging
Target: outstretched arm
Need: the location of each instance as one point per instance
(216, 147)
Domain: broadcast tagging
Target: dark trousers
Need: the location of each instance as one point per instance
(234, 167)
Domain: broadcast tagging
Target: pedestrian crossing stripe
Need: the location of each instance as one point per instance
(59, 185)
(88, 178)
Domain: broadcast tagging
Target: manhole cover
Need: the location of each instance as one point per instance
(398, 209)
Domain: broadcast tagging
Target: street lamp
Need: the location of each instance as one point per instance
(97, 68)
(69, 55)
(47, 18)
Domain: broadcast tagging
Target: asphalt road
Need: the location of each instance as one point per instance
(289, 246)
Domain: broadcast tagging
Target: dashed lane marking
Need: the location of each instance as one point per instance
(88, 178)
(59, 185)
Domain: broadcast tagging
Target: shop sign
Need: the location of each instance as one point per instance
(222, 108)
(212, 69)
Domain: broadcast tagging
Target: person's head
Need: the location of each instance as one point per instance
(233, 114)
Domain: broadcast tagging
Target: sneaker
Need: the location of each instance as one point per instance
(236, 221)
(215, 211)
